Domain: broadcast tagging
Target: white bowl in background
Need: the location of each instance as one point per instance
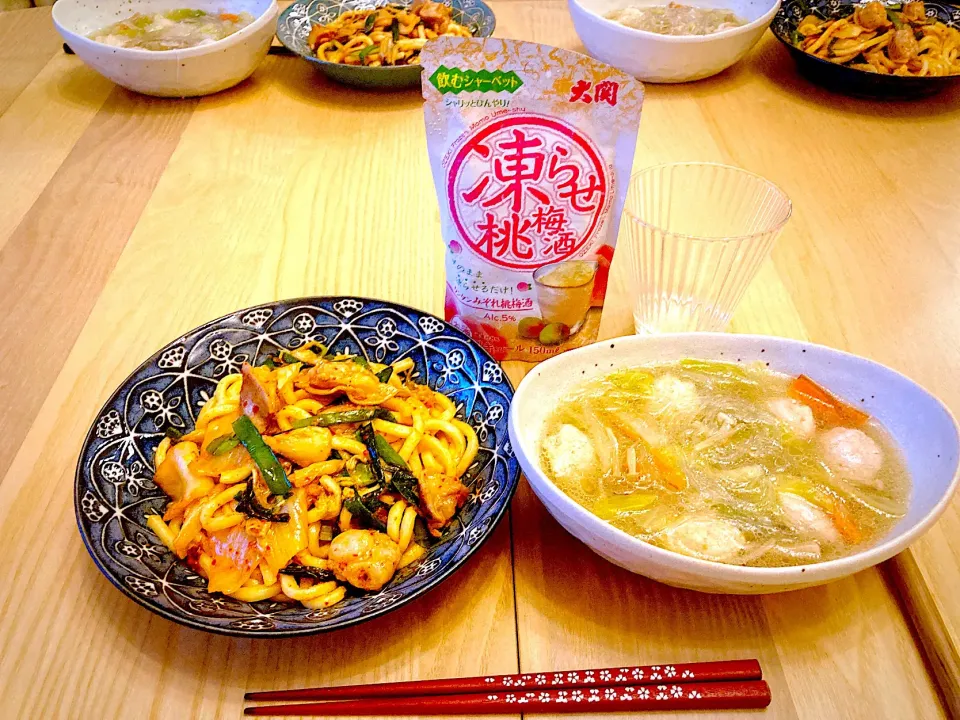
(922, 427)
(669, 58)
(191, 72)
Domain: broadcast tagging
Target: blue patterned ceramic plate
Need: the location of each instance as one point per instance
(851, 80)
(295, 23)
(114, 488)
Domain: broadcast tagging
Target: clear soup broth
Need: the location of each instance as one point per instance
(726, 462)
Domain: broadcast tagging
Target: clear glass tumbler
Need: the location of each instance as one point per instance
(694, 235)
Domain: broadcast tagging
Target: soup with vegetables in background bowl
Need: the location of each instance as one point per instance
(676, 19)
(172, 30)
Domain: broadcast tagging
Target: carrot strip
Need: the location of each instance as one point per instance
(828, 410)
(845, 525)
(669, 469)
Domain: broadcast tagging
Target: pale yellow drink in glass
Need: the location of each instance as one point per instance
(564, 290)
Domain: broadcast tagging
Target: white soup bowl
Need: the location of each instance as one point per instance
(200, 70)
(922, 427)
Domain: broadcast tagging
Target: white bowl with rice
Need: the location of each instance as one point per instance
(921, 427)
(659, 58)
(187, 72)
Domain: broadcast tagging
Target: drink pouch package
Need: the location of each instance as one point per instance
(531, 149)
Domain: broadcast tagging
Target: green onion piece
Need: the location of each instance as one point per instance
(361, 475)
(385, 374)
(262, 455)
(395, 29)
(269, 363)
(223, 444)
(336, 418)
(795, 37)
(387, 453)
(894, 18)
(183, 14)
(371, 20)
(359, 359)
(289, 359)
(368, 50)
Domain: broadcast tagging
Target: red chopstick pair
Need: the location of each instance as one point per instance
(725, 685)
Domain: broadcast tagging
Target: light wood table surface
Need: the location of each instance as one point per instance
(125, 221)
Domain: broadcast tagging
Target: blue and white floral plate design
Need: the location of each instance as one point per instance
(295, 22)
(114, 489)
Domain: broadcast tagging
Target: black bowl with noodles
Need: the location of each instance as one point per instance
(853, 81)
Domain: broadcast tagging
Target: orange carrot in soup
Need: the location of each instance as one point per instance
(669, 467)
(844, 523)
(828, 410)
(229, 17)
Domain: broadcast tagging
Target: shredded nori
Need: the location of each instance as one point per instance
(248, 504)
(301, 571)
(366, 511)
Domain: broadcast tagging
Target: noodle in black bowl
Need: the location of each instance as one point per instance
(295, 23)
(849, 80)
(115, 493)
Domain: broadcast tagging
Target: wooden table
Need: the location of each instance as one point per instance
(125, 221)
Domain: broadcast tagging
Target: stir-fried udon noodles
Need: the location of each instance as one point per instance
(887, 40)
(310, 474)
(390, 35)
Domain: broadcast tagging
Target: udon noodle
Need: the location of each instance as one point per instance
(311, 474)
(881, 39)
(389, 35)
